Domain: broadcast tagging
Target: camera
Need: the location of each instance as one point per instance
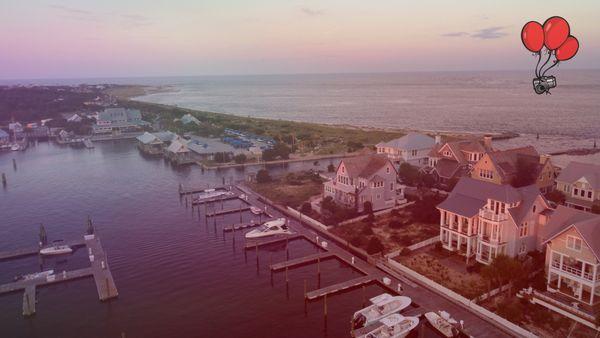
(543, 84)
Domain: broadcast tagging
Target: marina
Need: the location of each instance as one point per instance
(302, 261)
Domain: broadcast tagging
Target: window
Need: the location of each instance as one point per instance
(387, 170)
(524, 230)
(589, 194)
(486, 174)
(574, 243)
(392, 186)
(534, 207)
(378, 196)
(414, 153)
(523, 248)
(575, 191)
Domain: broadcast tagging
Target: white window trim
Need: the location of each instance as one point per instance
(574, 241)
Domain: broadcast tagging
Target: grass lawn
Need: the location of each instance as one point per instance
(292, 189)
(392, 238)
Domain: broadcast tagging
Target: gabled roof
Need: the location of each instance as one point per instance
(166, 136)
(469, 195)
(507, 161)
(188, 118)
(447, 168)
(365, 166)
(147, 138)
(410, 141)
(457, 147)
(177, 146)
(587, 224)
(576, 170)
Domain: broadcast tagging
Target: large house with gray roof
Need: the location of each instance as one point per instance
(482, 219)
(580, 182)
(118, 120)
(572, 239)
(361, 179)
(412, 148)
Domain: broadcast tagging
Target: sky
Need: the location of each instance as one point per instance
(130, 38)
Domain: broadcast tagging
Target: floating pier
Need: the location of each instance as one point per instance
(20, 253)
(279, 239)
(197, 190)
(215, 199)
(105, 283)
(302, 261)
(226, 211)
(242, 226)
(339, 287)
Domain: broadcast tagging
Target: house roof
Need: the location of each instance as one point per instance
(410, 141)
(365, 166)
(177, 146)
(587, 224)
(201, 145)
(507, 161)
(457, 147)
(147, 138)
(576, 170)
(166, 136)
(447, 168)
(188, 118)
(469, 195)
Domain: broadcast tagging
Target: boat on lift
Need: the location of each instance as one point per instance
(442, 325)
(393, 326)
(270, 228)
(381, 307)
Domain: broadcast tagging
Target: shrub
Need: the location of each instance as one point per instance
(368, 207)
(240, 158)
(331, 168)
(511, 310)
(396, 224)
(262, 176)
(356, 241)
(306, 208)
(366, 230)
(374, 246)
(556, 196)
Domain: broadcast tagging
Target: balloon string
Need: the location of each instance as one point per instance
(547, 60)
(555, 63)
(538, 64)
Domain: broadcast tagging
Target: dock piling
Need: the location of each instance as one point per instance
(4, 179)
(14, 161)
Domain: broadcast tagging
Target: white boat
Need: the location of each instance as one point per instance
(36, 275)
(211, 193)
(393, 326)
(15, 147)
(381, 307)
(59, 249)
(271, 228)
(441, 325)
(255, 210)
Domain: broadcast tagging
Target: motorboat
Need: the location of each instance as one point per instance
(15, 147)
(381, 307)
(255, 210)
(270, 228)
(393, 326)
(56, 249)
(211, 193)
(36, 275)
(443, 326)
(243, 196)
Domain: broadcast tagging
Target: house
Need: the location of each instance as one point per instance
(452, 160)
(166, 136)
(580, 182)
(72, 117)
(368, 178)
(15, 127)
(178, 152)
(507, 166)
(4, 137)
(205, 148)
(188, 118)
(412, 148)
(150, 144)
(118, 120)
(573, 260)
(482, 219)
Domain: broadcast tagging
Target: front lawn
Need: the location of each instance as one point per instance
(291, 190)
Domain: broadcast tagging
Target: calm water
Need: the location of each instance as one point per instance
(448, 101)
(176, 275)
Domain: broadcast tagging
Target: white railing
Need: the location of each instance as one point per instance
(492, 216)
(572, 270)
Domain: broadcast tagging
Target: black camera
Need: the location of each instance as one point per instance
(543, 84)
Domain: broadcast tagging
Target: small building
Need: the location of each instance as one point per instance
(573, 261)
(368, 178)
(118, 120)
(188, 118)
(150, 144)
(206, 148)
(179, 153)
(412, 148)
(505, 167)
(482, 219)
(452, 160)
(72, 117)
(580, 182)
(4, 137)
(166, 136)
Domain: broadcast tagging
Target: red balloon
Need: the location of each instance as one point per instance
(532, 36)
(568, 49)
(556, 31)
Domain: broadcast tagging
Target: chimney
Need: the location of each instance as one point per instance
(438, 139)
(487, 142)
(544, 158)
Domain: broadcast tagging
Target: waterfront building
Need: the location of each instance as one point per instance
(15, 127)
(150, 144)
(188, 118)
(451, 160)
(205, 148)
(166, 136)
(118, 120)
(178, 152)
(573, 262)
(482, 219)
(507, 166)
(412, 148)
(580, 182)
(367, 178)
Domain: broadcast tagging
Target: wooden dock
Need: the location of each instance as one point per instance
(20, 253)
(226, 211)
(105, 283)
(197, 190)
(297, 262)
(242, 226)
(215, 199)
(339, 287)
(251, 244)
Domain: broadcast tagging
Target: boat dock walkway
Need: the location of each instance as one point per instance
(20, 253)
(242, 226)
(339, 287)
(226, 211)
(217, 199)
(251, 244)
(98, 269)
(302, 261)
(197, 190)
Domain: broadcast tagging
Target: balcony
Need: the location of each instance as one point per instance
(573, 271)
(492, 216)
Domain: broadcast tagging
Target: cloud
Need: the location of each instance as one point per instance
(494, 32)
(135, 20)
(125, 19)
(70, 10)
(311, 11)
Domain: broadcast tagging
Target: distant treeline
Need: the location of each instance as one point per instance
(34, 103)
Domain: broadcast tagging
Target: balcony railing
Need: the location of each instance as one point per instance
(489, 239)
(573, 270)
(454, 227)
(492, 216)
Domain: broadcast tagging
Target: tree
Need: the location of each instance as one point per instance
(408, 174)
(596, 208)
(306, 208)
(503, 270)
(280, 150)
(262, 176)
(368, 207)
(556, 196)
(374, 246)
(240, 158)
(331, 168)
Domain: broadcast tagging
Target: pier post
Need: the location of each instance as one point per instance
(256, 255)
(363, 296)
(4, 179)
(325, 307)
(107, 288)
(14, 161)
(287, 249)
(287, 280)
(240, 210)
